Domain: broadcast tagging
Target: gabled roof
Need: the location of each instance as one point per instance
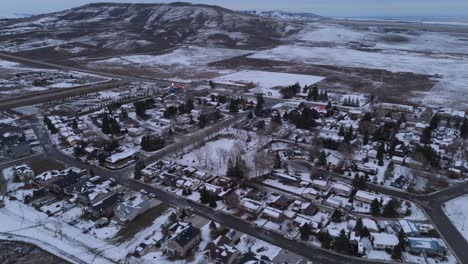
(186, 235)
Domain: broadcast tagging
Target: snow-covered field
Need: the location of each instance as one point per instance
(191, 56)
(265, 81)
(414, 51)
(209, 154)
(456, 210)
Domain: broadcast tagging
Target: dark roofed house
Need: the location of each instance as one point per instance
(281, 202)
(184, 238)
(77, 188)
(220, 252)
(69, 179)
(105, 208)
(308, 209)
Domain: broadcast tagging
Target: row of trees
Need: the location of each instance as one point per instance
(354, 102)
(389, 210)
(183, 108)
(304, 119)
(315, 95)
(207, 198)
(109, 124)
(142, 106)
(290, 91)
(237, 168)
(152, 142)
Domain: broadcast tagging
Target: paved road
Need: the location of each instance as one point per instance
(36, 98)
(38, 63)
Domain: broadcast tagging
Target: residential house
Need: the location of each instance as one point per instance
(383, 241)
(366, 197)
(219, 252)
(409, 228)
(342, 189)
(251, 206)
(280, 202)
(273, 214)
(70, 178)
(105, 207)
(429, 246)
(183, 239)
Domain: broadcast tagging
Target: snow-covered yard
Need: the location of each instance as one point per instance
(456, 210)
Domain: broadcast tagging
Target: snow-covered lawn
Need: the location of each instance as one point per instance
(265, 81)
(259, 247)
(25, 223)
(379, 254)
(208, 156)
(457, 211)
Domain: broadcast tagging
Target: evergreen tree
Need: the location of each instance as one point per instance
(204, 196)
(434, 124)
(305, 231)
(326, 240)
(212, 202)
(380, 153)
(211, 83)
(464, 129)
(359, 182)
(341, 132)
(212, 225)
(390, 209)
(401, 239)
(365, 232)
(233, 106)
(397, 252)
(140, 109)
(375, 207)
(322, 161)
(358, 227)
(336, 216)
(315, 93)
(426, 137)
(365, 138)
(342, 242)
(202, 121)
(173, 217)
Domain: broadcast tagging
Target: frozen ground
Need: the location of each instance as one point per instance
(184, 57)
(265, 81)
(183, 63)
(209, 154)
(456, 210)
(400, 51)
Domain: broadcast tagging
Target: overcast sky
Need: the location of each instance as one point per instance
(334, 8)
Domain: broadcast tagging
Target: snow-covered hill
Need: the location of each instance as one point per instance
(142, 27)
(285, 15)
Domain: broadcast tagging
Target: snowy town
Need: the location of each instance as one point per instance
(269, 138)
(308, 165)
